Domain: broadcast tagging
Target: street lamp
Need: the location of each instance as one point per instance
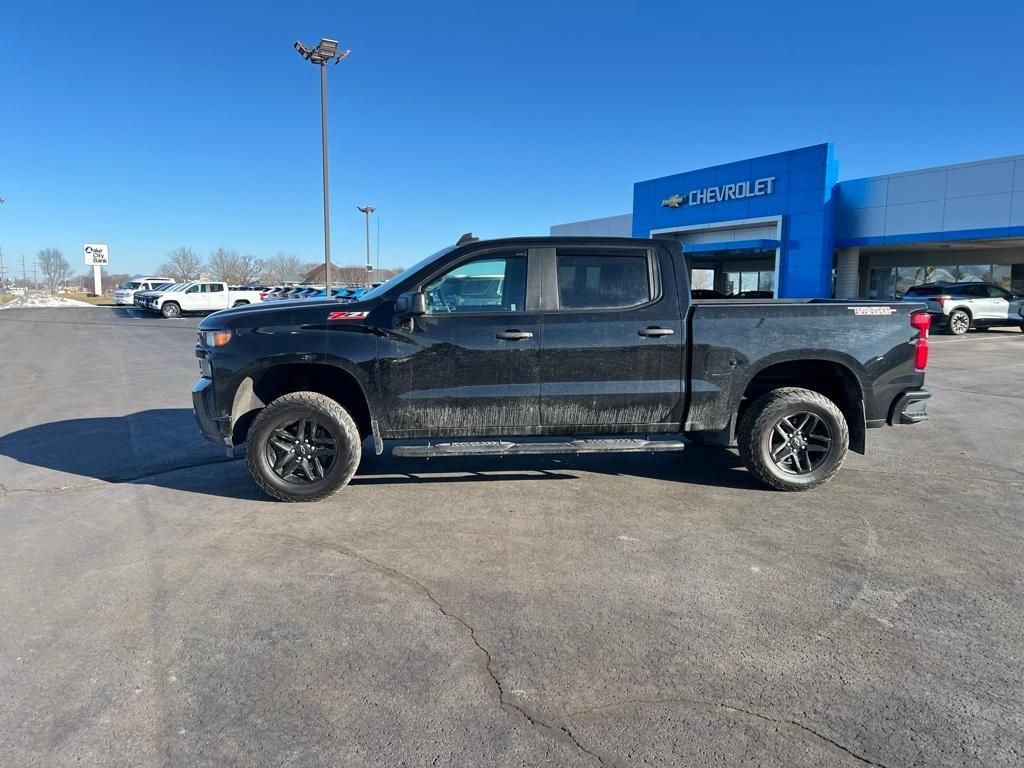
(326, 50)
(367, 210)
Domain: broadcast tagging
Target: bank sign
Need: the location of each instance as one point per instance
(96, 254)
(737, 191)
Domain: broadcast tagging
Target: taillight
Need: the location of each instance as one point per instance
(922, 321)
(941, 301)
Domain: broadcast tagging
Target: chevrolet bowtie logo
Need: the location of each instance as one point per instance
(673, 202)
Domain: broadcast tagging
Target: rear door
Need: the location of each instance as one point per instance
(215, 296)
(998, 303)
(613, 340)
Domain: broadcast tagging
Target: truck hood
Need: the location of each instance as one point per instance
(288, 310)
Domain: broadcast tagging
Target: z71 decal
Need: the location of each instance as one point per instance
(346, 315)
(872, 310)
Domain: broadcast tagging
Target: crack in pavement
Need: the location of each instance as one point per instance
(560, 732)
(118, 479)
(717, 705)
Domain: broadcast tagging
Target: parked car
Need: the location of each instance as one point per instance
(199, 296)
(124, 295)
(141, 297)
(624, 355)
(305, 292)
(960, 306)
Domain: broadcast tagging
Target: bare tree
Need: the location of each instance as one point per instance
(114, 279)
(182, 264)
(55, 268)
(283, 268)
(233, 268)
(249, 269)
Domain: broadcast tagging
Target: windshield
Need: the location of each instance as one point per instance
(131, 286)
(387, 285)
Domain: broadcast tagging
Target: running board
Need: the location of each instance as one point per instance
(507, 448)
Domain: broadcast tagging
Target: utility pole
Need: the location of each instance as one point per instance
(367, 209)
(325, 51)
(377, 276)
(24, 274)
(3, 283)
(35, 274)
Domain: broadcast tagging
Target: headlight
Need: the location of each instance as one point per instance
(216, 338)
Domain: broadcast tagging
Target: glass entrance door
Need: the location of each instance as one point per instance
(749, 281)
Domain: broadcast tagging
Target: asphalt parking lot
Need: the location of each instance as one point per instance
(157, 610)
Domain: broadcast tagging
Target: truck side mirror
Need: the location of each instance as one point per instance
(411, 304)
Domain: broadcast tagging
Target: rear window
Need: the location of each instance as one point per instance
(603, 280)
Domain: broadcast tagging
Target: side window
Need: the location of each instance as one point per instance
(975, 292)
(488, 284)
(603, 280)
(215, 287)
(193, 289)
(996, 293)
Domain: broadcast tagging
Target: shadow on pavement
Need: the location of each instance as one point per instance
(163, 448)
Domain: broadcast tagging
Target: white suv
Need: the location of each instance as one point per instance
(125, 294)
(960, 306)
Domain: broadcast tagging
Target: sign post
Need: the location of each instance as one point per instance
(97, 255)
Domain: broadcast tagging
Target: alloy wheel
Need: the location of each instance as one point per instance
(800, 443)
(960, 322)
(301, 450)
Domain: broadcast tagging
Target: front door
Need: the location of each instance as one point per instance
(470, 365)
(612, 350)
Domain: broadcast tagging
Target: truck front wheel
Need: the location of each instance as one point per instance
(793, 439)
(303, 447)
(170, 309)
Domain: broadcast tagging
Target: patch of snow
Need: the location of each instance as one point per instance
(43, 300)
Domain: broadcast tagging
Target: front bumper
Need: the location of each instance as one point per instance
(215, 428)
(910, 407)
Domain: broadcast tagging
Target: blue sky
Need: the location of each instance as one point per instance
(154, 125)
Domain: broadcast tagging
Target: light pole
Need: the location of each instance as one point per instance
(326, 50)
(368, 209)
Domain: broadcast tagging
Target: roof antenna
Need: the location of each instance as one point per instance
(468, 238)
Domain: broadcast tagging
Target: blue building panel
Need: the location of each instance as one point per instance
(793, 187)
(798, 195)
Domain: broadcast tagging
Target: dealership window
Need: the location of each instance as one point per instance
(702, 279)
(893, 282)
(753, 280)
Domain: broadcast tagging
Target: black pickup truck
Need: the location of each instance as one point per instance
(554, 345)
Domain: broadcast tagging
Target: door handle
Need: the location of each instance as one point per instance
(652, 331)
(514, 335)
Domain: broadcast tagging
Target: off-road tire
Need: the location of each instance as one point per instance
(170, 309)
(958, 327)
(757, 427)
(331, 416)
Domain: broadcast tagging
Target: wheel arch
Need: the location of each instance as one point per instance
(260, 387)
(835, 379)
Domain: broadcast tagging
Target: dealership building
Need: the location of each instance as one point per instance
(785, 223)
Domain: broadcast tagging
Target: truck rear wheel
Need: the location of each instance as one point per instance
(170, 309)
(793, 439)
(959, 322)
(303, 447)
